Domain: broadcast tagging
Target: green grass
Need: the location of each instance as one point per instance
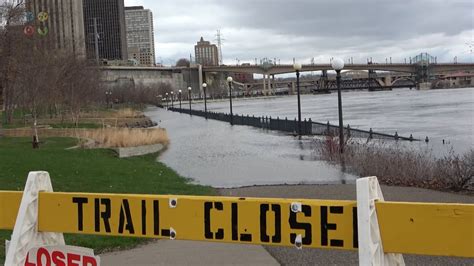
(88, 170)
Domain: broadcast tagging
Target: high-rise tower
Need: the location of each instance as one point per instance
(104, 24)
(140, 36)
(65, 25)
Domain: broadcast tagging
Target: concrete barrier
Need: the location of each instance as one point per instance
(139, 150)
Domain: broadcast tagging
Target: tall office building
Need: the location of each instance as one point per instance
(107, 19)
(206, 53)
(65, 25)
(140, 38)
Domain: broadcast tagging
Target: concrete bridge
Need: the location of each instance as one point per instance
(284, 69)
(130, 77)
(321, 84)
(421, 72)
(194, 76)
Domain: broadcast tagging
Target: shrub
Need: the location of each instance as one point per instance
(103, 137)
(394, 164)
(125, 137)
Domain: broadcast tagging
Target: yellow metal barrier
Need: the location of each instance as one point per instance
(9, 205)
(411, 228)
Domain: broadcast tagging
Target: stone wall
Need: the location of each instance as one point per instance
(139, 150)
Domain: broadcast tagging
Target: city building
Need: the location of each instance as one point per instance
(64, 22)
(104, 26)
(2, 21)
(206, 53)
(243, 77)
(140, 38)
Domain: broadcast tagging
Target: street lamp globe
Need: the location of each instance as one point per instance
(337, 64)
(229, 79)
(297, 66)
(179, 91)
(189, 88)
(172, 93)
(204, 85)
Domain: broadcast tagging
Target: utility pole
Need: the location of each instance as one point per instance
(219, 45)
(96, 41)
(189, 70)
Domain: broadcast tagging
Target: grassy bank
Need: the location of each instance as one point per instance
(100, 137)
(88, 170)
(91, 117)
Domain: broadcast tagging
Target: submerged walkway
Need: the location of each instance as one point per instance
(308, 127)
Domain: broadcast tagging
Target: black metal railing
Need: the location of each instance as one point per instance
(329, 129)
(308, 127)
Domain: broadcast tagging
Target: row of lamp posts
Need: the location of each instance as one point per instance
(337, 64)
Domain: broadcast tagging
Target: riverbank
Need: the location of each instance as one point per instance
(91, 117)
(88, 170)
(401, 165)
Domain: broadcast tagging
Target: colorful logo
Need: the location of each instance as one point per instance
(43, 16)
(29, 16)
(43, 30)
(29, 30)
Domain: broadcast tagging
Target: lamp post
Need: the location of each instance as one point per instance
(107, 97)
(229, 81)
(204, 86)
(172, 98)
(338, 64)
(179, 95)
(189, 98)
(167, 99)
(297, 67)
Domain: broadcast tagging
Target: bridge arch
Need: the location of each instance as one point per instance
(407, 79)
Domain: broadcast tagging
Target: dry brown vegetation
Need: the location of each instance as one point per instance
(396, 165)
(125, 137)
(101, 138)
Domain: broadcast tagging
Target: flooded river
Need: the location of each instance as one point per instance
(217, 154)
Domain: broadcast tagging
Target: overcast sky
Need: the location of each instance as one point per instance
(303, 29)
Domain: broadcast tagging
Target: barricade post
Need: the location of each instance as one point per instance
(25, 233)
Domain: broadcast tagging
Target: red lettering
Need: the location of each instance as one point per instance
(39, 254)
(27, 261)
(89, 261)
(58, 258)
(73, 259)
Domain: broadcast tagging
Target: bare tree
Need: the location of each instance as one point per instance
(183, 62)
(79, 85)
(12, 13)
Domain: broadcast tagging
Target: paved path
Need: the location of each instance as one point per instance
(168, 252)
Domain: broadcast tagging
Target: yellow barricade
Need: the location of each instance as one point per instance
(411, 228)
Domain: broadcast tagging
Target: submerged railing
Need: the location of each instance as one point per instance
(308, 127)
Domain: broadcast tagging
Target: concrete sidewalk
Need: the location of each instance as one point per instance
(169, 252)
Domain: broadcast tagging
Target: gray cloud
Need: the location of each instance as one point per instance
(314, 28)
